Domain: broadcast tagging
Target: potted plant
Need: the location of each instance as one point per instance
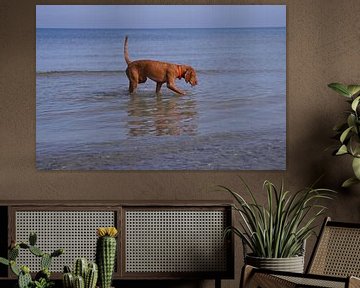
(276, 233)
(84, 274)
(348, 132)
(42, 278)
(106, 254)
(87, 274)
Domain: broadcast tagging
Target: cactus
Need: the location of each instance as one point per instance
(24, 245)
(13, 253)
(57, 252)
(44, 273)
(79, 282)
(25, 269)
(105, 254)
(68, 280)
(42, 278)
(80, 268)
(32, 238)
(45, 261)
(67, 269)
(36, 251)
(89, 272)
(91, 276)
(24, 280)
(24, 277)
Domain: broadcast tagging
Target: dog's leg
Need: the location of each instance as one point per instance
(172, 87)
(132, 87)
(133, 79)
(158, 87)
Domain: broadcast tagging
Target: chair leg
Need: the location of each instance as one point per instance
(246, 274)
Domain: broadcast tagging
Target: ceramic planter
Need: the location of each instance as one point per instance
(291, 264)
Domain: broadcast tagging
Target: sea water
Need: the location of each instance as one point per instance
(234, 119)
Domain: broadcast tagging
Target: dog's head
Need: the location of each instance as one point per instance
(190, 76)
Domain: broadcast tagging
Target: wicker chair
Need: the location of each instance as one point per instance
(334, 263)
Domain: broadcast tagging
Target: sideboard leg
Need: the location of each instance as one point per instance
(217, 283)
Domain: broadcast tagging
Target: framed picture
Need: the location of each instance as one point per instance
(196, 87)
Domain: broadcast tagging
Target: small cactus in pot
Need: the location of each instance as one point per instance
(106, 254)
(85, 275)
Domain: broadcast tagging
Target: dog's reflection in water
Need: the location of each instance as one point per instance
(149, 115)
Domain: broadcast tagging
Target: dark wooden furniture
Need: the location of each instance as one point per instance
(334, 263)
(157, 241)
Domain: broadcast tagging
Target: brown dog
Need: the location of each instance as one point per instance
(161, 72)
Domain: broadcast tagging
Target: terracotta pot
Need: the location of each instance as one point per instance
(291, 264)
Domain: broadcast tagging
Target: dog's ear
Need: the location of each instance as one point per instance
(190, 76)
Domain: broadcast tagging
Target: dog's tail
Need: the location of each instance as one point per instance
(126, 51)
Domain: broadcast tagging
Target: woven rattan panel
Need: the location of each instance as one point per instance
(75, 231)
(175, 241)
(338, 253)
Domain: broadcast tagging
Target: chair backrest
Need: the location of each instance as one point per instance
(337, 251)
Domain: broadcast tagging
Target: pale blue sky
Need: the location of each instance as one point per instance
(160, 16)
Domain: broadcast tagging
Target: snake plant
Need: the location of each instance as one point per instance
(279, 228)
(348, 132)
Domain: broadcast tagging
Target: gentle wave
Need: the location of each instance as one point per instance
(115, 72)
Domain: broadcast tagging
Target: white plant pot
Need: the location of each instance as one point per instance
(291, 264)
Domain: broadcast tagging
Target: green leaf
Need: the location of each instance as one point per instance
(4, 261)
(355, 103)
(349, 182)
(345, 134)
(340, 88)
(353, 89)
(351, 120)
(354, 144)
(356, 167)
(342, 150)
